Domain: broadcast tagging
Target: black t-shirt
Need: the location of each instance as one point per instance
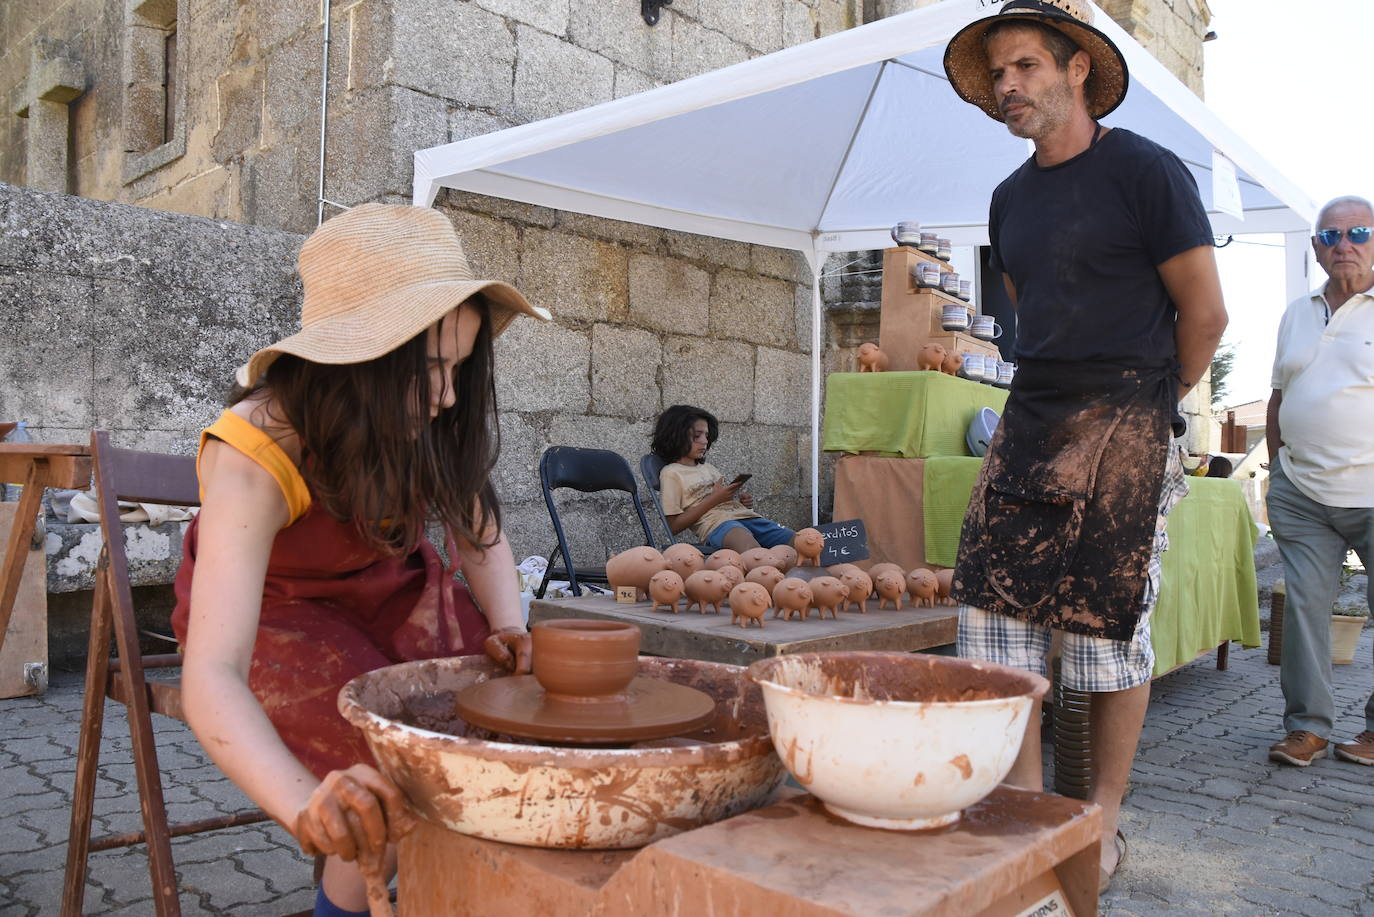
(1081, 241)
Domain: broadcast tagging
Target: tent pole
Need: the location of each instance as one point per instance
(1295, 249)
(814, 258)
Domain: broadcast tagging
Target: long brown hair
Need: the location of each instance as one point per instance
(368, 456)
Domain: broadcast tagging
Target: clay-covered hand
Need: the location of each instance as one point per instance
(353, 812)
(511, 647)
(746, 499)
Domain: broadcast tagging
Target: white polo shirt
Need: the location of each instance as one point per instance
(1326, 373)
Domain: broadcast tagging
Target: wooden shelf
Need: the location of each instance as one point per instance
(911, 316)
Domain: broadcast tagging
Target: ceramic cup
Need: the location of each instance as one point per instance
(930, 243)
(907, 232)
(953, 318)
(944, 249)
(949, 283)
(985, 328)
(966, 290)
(925, 274)
(990, 370)
(972, 367)
(1005, 372)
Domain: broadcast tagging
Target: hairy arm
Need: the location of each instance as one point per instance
(1194, 286)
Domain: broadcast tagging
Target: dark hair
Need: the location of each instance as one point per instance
(673, 431)
(366, 459)
(1219, 467)
(1061, 47)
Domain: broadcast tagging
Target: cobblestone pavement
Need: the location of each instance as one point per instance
(1214, 828)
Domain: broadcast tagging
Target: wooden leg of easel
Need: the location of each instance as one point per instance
(17, 553)
(88, 752)
(1223, 655)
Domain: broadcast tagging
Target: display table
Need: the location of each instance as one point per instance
(789, 858)
(1207, 593)
(712, 638)
(909, 414)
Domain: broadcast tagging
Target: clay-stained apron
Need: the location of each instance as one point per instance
(1061, 521)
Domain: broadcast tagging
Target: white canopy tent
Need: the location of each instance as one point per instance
(824, 146)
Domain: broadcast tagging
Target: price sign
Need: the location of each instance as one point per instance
(845, 542)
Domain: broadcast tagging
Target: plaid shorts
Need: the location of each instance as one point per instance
(1094, 664)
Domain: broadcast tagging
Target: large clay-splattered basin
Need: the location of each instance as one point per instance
(543, 796)
(895, 740)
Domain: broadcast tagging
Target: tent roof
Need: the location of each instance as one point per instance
(825, 145)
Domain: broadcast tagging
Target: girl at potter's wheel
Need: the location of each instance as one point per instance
(308, 563)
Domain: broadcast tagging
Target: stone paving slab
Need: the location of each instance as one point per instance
(1214, 827)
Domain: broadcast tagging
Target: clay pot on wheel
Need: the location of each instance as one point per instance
(871, 359)
(683, 559)
(577, 659)
(634, 568)
(921, 584)
(809, 544)
(749, 602)
(931, 357)
(665, 588)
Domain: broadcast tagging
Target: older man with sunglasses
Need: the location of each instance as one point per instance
(1320, 432)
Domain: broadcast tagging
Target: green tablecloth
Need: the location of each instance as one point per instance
(1207, 588)
(905, 415)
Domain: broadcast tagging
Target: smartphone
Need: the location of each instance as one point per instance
(740, 479)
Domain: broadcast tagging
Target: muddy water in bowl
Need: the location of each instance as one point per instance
(896, 740)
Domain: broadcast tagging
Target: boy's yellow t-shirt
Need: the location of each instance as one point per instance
(683, 486)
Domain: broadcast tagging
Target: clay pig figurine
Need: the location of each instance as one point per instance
(706, 587)
(683, 559)
(931, 356)
(871, 359)
(921, 584)
(665, 588)
(860, 588)
(634, 568)
(828, 594)
(951, 364)
(890, 588)
(724, 558)
(765, 576)
(749, 602)
(839, 570)
(874, 570)
(809, 544)
(734, 575)
(784, 557)
(943, 581)
(791, 596)
(757, 557)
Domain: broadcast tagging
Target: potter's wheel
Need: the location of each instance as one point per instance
(648, 708)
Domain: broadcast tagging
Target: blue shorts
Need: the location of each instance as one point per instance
(765, 531)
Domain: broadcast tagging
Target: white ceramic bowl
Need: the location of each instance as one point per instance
(545, 796)
(896, 740)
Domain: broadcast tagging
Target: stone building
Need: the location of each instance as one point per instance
(211, 108)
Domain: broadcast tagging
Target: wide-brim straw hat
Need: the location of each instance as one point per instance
(376, 276)
(966, 61)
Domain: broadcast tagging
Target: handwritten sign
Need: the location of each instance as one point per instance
(845, 542)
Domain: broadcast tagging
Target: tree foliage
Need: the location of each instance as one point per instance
(1222, 362)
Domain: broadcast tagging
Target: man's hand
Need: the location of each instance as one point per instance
(512, 648)
(353, 812)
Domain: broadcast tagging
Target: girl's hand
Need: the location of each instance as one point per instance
(746, 499)
(512, 648)
(354, 812)
(724, 492)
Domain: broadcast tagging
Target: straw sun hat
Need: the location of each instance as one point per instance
(966, 62)
(376, 276)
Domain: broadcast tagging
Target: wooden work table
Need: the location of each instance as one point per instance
(1006, 854)
(712, 638)
(36, 466)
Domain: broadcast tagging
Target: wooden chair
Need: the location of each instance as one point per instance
(144, 477)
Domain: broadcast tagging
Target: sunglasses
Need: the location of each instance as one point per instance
(1358, 235)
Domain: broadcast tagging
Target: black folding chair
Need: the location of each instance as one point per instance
(650, 469)
(588, 471)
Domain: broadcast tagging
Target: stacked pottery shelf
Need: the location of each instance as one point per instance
(910, 316)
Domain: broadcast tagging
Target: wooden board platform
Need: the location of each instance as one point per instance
(789, 858)
(712, 638)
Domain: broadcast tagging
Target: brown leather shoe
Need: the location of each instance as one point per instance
(1299, 748)
(1360, 751)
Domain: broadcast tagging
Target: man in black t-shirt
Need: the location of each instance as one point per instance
(1106, 253)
